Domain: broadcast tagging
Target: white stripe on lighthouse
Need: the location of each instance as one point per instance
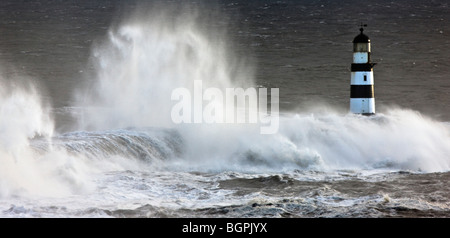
(362, 105)
(362, 78)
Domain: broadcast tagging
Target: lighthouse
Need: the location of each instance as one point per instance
(362, 99)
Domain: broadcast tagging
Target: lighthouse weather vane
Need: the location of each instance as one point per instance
(361, 27)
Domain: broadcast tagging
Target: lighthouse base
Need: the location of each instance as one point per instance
(364, 106)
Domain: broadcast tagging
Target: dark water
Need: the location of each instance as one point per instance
(323, 163)
(302, 47)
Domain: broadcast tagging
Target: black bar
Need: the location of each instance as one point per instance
(268, 227)
(361, 91)
(362, 67)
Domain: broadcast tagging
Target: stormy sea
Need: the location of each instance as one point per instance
(86, 114)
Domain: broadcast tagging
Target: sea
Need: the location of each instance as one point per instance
(86, 124)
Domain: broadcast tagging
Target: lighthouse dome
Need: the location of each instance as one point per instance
(361, 38)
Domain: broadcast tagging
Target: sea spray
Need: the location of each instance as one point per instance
(31, 164)
(399, 139)
(22, 117)
(146, 57)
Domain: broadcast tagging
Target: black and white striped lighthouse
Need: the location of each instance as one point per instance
(362, 99)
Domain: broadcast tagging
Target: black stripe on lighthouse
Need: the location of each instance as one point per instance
(362, 67)
(361, 91)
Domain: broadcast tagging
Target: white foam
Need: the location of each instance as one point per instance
(149, 55)
(145, 58)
